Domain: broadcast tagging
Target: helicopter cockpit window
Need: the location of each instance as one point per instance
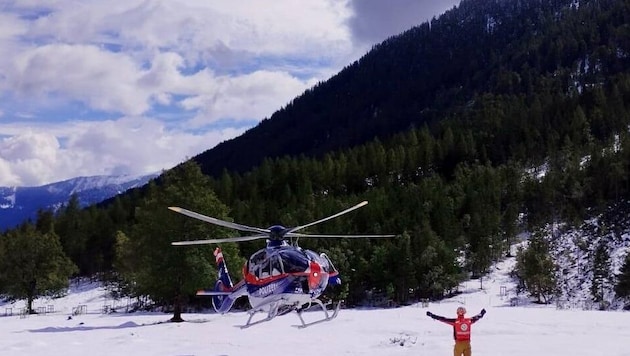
(263, 266)
(276, 266)
(329, 263)
(312, 255)
(263, 269)
(294, 262)
(321, 259)
(256, 262)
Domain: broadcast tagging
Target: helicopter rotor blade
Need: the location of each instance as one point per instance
(219, 222)
(338, 236)
(326, 219)
(216, 241)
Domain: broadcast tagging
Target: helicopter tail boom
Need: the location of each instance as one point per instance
(225, 292)
(223, 301)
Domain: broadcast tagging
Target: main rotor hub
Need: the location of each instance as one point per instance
(277, 232)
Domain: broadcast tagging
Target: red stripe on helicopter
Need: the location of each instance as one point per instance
(252, 279)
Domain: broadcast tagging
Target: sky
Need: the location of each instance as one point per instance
(112, 87)
(514, 329)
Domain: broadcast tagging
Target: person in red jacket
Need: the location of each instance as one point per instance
(461, 329)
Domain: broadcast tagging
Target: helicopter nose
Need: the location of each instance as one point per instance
(316, 275)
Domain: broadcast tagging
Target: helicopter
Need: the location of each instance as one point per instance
(278, 279)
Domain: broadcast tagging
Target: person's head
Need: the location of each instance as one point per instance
(461, 311)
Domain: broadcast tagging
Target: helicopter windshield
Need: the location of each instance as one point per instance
(263, 265)
(294, 261)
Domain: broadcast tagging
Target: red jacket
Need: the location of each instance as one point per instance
(461, 325)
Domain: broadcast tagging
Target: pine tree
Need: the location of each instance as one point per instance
(168, 274)
(535, 270)
(32, 265)
(601, 273)
(403, 267)
(622, 288)
(71, 227)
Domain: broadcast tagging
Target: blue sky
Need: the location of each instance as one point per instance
(137, 86)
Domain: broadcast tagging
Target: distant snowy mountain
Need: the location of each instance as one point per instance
(20, 203)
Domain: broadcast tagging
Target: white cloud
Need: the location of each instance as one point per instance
(129, 145)
(29, 145)
(7, 175)
(97, 53)
(27, 156)
(10, 26)
(102, 80)
(164, 68)
(195, 28)
(257, 95)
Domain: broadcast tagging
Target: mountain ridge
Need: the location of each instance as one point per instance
(17, 204)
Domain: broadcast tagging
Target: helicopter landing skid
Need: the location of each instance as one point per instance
(327, 315)
(276, 310)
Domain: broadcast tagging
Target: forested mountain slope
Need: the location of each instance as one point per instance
(589, 259)
(513, 71)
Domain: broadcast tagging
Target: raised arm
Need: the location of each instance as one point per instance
(475, 318)
(449, 321)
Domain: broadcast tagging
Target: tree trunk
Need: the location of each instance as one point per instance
(29, 305)
(177, 310)
(31, 295)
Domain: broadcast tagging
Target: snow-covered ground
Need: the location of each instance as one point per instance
(521, 330)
